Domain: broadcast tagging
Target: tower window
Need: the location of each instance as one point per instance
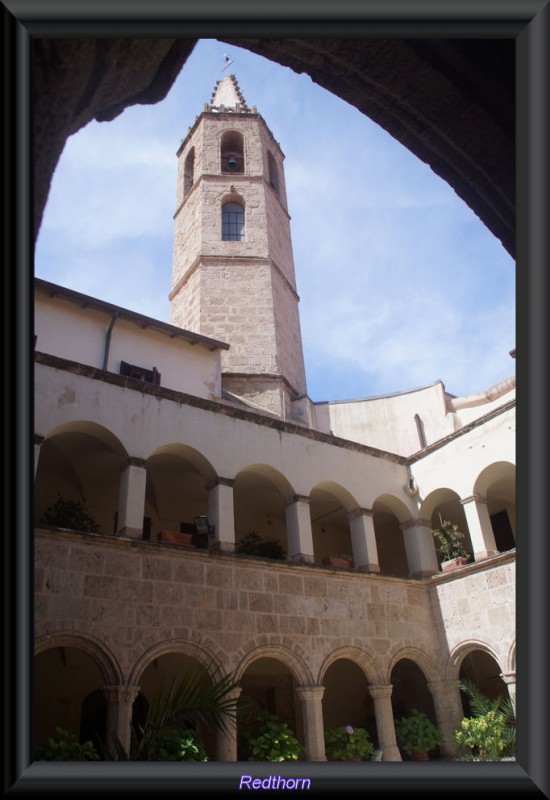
(273, 173)
(232, 222)
(232, 152)
(188, 171)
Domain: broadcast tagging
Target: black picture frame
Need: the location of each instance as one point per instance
(528, 22)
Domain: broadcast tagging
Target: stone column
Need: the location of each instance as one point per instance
(420, 548)
(226, 740)
(312, 715)
(37, 445)
(298, 528)
(221, 514)
(363, 540)
(120, 700)
(448, 712)
(480, 527)
(385, 727)
(509, 679)
(131, 498)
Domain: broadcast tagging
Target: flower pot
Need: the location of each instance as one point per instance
(418, 756)
(453, 563)
(338, 561)
(172, 537)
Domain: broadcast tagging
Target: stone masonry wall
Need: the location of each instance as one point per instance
(478, 608)
(136, 596)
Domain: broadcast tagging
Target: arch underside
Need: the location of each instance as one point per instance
(451, 102)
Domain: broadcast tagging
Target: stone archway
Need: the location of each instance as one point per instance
(450, 101)
(268, 684)
(66, 674)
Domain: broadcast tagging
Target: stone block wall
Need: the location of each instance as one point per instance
(137, 596)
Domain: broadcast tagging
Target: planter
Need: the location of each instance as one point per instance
(417, 756)
(453, 563)
(338, 561)
(172, 537)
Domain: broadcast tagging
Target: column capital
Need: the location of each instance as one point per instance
(474, 498)
(508, 677)
(443, 687)
(230, 482)
(415, 523)
(380, 690)
(124, 694)
(310, 692)
(360, 512)
(133, 461)
(298, 498)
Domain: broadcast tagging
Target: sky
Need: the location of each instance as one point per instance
(400, 284)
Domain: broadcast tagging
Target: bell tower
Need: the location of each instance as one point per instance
(233, 270)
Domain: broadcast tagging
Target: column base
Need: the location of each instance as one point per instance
(130, 533)
(483, 554)
(391, 753)
(375, 568)
(222, 547)
(424, 573)
(301, 558)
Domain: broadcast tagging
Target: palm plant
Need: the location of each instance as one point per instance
(199, 696)
(490, 733)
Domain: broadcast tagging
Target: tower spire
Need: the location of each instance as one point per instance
(227, 96)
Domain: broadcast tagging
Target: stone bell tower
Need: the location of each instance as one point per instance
(233, 270)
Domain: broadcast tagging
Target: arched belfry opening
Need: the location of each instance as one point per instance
(273, 173)
(189, 171)
(232, 152)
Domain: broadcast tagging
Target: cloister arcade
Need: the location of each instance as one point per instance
(85, 461)
(79, 686)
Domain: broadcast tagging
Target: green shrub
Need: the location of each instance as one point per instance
(254, 545)
(179, 745)
(416, 733)
(271, 740)
(450, 539)
(345, 743)
(72, 514)
(65, 748)
(490, 734)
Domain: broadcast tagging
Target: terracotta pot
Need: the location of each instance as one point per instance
(338, 561)
(416, 756)
(453, 563)
(172, 537)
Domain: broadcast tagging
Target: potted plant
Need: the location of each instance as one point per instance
(271, 740)
(450, 547)
(416, 735)
(175, 537)
(255, 545)
(65, 747)
(70, 514)
(179, 745)
(346, 743)
(341, 560)
(490, 733)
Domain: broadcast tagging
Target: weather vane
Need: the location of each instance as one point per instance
(228, 61)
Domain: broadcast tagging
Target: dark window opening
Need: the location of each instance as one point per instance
(504, 537)
(188, 171)
(140, 373)
(273, 173)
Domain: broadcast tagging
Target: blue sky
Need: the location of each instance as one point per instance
(400, 283)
